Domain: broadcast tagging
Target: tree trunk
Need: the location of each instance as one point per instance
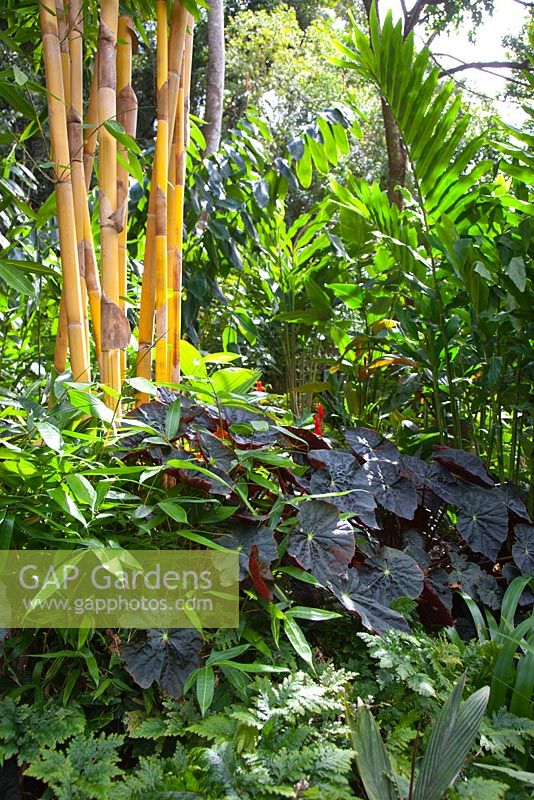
(215, 81)
(396, 156)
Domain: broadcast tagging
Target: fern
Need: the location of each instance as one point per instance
(481, 789)
(25, 729)
(504, 732)
(84, 771)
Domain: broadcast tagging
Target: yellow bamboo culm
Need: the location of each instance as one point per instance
(62, 339)
(109, 225)
(65, 204)
(178, 216)
(64, 48)
(75, 135)
(127, 116)
(162, 159)
(148, 294)
(171, 247)
(92, 282)
(91, 127)
(92, 277)
(181, 138)
(178, 28)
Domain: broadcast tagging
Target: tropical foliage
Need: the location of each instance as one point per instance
(342, 395)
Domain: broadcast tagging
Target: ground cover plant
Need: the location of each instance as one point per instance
(302, 332)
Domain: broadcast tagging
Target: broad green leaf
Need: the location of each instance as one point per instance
(172, 420)
(51, 436)
(234, 380)
(82, 490)
(297, 638)
(192, 364)
(517, 273)
(142, 385)
(118, 132)
(67, 504)
(173, 510)
(205, 688)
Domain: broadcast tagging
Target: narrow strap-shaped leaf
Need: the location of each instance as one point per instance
(522, 702)
(501, 681)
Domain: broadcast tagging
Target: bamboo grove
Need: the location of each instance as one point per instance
(94, 139)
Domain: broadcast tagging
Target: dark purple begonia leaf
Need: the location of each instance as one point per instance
(363, 441)
(235, 415)
(322, 543)
(523, 549)
(161, 453)
(4, 633)
(514, 500)
(244, 537)
(333, 460)
(483, 521)
(152, 415)
(432, 476)
(165, 657)
(355, 597)
(466, 465)
(303, 438)
(414, 546)
(474, 581)
(344, 475)
(391, 574)
(215, 452)
(431, 607)
(393, 492)
(439, 580)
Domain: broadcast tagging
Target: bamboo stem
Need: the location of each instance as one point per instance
(162, 159)
(171, 244)
(91, 127)
(148, 294)
(178, 217)
(75, 137)
(127, 116)
(64, 49)
(177, 35)
(109, 223)
(65, 204)
(62, 340)
(182, 140)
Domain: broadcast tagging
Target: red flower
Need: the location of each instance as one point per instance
(320, 410)
(318, 419)
(259, 386)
